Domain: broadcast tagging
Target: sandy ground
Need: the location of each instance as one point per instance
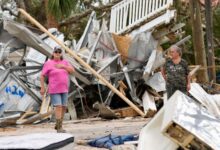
(83, 129)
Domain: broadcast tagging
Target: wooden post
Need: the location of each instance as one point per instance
(72, 53)
(198, 40)
(209, 40)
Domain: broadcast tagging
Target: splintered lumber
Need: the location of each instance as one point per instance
(216, 86)
(197, 67)
(83, 63)
(122, 87)
(11, 120)
(104, 111)
(35, 118)
(126, 112)
(28, 113)
(179, 135)
(45, 105)
(71, 109)
(122, 43)
(149, 104)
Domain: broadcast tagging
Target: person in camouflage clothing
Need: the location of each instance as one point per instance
(176, 72)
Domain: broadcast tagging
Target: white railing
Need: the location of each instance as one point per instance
(128, 13)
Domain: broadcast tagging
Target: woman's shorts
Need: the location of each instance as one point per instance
(59, 99)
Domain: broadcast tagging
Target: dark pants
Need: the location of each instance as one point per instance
(172, 89)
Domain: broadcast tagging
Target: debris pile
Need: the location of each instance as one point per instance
(128, 63)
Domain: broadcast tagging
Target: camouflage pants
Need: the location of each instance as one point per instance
(172, 89)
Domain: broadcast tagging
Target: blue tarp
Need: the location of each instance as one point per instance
(111, 140)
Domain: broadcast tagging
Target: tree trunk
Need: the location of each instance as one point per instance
(209, 40)
(51, 21)
(198, 40)
(28, 5)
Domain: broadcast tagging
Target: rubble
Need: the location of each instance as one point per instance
(129, 65)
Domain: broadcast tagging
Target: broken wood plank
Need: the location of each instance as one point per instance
(10, 120)
(122, 87)
(26, 114)
(45, 104)
(36, 117)
(179, 135)
(126, 112)
(71, 109)
(149, 104)
(122, 43)
(197, 67)
(216, 86)
(104, 111)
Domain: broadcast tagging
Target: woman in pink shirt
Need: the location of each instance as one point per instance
(57, 70)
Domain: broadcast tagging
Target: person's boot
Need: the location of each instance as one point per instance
(59, 126)
(55, 127)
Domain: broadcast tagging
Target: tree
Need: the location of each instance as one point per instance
(61, 9)
(209, 40)
(198, 40)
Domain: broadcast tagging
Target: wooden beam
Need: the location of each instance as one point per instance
(72, 53)
(194, 70)
(198, 40)
(35, 118)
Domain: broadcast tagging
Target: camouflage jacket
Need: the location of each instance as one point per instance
(176, 74)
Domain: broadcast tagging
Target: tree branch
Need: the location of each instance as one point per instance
(75, 18)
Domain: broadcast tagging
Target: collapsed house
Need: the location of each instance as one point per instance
(127, 62)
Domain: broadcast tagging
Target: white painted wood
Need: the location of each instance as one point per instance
(125, 12)
(151, 137)
(147, 8)
(144, 8)
(148, 102)
(205, 99)
(117, 19)
(128, 13)
(134, 8)
(164, 1)
(112, 24)
(137, 8)
(153, 5)
(165, 18)
(140, 9)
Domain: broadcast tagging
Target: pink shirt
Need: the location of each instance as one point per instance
(58, 78)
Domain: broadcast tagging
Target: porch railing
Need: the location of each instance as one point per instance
(128, 13)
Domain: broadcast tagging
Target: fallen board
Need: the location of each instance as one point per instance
(39, 141)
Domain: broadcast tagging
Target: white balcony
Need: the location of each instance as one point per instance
(129, 13)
